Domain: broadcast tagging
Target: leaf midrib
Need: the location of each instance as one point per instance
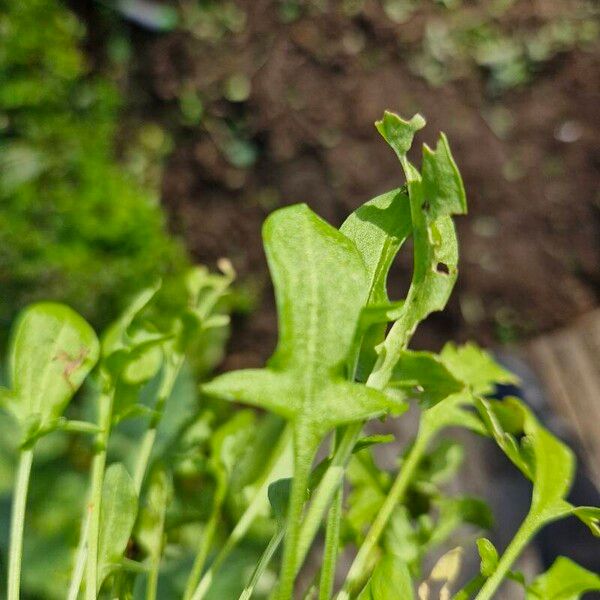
(313, 321)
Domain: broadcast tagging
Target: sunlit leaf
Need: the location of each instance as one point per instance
(305, 382)
(488, 555)
(422, 375)
(52, 351)
(475, 367)
(564, 580)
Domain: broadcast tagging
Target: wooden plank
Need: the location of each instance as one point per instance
(568, 365)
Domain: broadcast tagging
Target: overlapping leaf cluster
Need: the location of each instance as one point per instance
(342, 360)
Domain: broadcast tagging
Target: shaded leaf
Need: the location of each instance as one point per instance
(378, 228)
(150, 525)
(391, 580)
(117, 518)
(372, 440)
(278, 493)
(422, 375)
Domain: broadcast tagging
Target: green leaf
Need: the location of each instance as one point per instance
(453, 512)
(398, 133)
(117, 518)
(379, 228)
(404, 539)
(422, 375)
(305, 380)
(278, 493)
(564, 580)
(435, 246)
(369, 486)
(542, 458)
(229, 442)
(441, 463)
(390, 581)
(475, 367)
(489, 556)
(150, 525)
(442, 184)
(372, 440)
(52, 351)
(116, 337)
(453, 411)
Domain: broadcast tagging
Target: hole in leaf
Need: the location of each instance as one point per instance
(442, 268)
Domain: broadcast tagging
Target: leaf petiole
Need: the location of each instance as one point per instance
(106, 401)
(394, 497)
(263, 563)
(17, 523)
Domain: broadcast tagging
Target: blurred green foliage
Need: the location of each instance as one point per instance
(459, 40)
(75, 225)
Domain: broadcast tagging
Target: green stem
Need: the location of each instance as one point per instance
(323, 495)
(527, 530)
(205, 546)
(80, 556)
(152, 582)
(143, 458)
(304, 453)
(98, 466)
(263, 563)
(17, 523)
(332, 542)
(395, 495)
(171, 371)
(277, 463)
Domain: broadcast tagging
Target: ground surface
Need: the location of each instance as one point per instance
(303, 133)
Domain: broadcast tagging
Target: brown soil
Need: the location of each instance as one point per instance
(530, 244)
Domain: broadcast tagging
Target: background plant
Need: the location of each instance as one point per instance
(77, 226)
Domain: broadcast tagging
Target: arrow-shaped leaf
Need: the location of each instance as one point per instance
(321, 285)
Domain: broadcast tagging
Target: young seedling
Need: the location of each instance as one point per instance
(52, 350)
(306, 381)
